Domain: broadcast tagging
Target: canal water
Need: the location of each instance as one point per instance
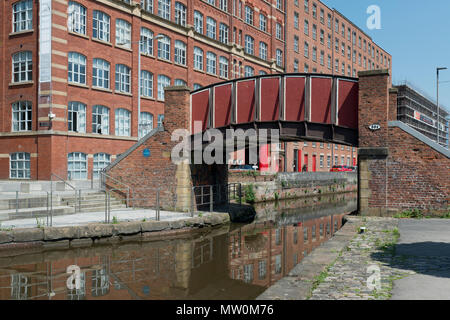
(237, 261)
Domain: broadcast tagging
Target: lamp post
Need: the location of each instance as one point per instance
(437, 99)
(139, 75)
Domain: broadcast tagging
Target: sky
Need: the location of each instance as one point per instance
(417, 35)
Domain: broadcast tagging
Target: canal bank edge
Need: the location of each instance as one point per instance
(297, 284)
(85, 235)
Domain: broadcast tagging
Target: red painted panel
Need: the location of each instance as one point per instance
(348, 104)
(321, 100)
(245, 101)
(270, 99)
(222, 105)
(200, 108)
(295, 99)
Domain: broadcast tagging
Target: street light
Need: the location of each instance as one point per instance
(160, 36)
(437, 98)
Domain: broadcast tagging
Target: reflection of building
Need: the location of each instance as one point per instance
(420, 113)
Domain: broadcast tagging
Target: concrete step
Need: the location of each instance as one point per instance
(38, 212)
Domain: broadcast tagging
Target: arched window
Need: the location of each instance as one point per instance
(123, 33)
(22, 67)
(163, 81)
(76, 18)
(164, 47)
(198, 58)
(146, 84)
(77, 68)
(146, 124)
(22, 116)
(146, 44)
(100, 26)
(123, 78)
(179, 82)
(22, 16)
(76, 117)
(180, 52)
(100, 73)
(101, 160)
(19, 165)
(76, 166)
(123, 119)
(100, 119)
(211, 62)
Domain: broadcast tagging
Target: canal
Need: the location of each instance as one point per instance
(237, 261)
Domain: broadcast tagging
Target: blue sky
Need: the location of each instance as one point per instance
(415, 33)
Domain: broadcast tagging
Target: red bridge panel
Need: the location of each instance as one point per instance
(245, 101)
(295, 99)
(199, 104)
(222, 105)
(321, 100)
(348, 104)
(270, 98)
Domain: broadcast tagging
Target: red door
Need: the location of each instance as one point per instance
(299, 158)
(354, 162)
(314, 162)
(306, 163)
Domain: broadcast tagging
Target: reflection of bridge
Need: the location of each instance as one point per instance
(301, 106)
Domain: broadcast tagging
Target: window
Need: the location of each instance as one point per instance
(123, 77)
(322, 36)
(223, 33)
(101, 160)
(22, 67)
(322, 58)
(163, 81)
(122, 122)
(263, 50)
(123, 33)
(76, 117)
(19, 165)
(76, 166)
(223, 5)
(314, 32)
(21, 116)
(279, 56)
(160, 120)
(198, 58)
(164, 47)
(223, 67)
(296, 18)
(328, 161)
(77, 68)
(212, 2)
(180, 52)
(248, 273)
(321, 160)
(100, 26)
(147, 5)
(262, 72)
(100, 119)
(179, 82)
(278, 32)
(76, 18)
(249, 71)
(146, 43)
(198, 22)
(146, 124)
(262, 22)
(262, 269)
(306, 27)
(100, 73)
(248, 15)
(146, 87)
(329, 62)
(180, 14)
(197, 86)
(306, 50)
(211, 27)
(22, 16)
(278, 265)
(295, 65)
(279, 5)
(164, 9)
(249, 44)
(211, 63)
(314, 54)
(322, 16)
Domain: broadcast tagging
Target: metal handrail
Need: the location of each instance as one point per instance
(66, 183)
(103, 175)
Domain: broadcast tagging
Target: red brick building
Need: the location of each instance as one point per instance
(69, 91)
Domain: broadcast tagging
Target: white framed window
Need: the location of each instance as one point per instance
(180, 52)
(223, 33)
(101, 161)
(146, 88)
(160, 120)
(211, 25)
(147, 5)
(306, 29)
(100, 26)
(296, 65)
(249, 71)
(146, 124)
(262, 22)
(212, 2)
(314, 54)
(197, 86)
(198, 22)
(22, 15)
(163, 81)
(211, 62)
(296, 40)
(22, 67)
(249, 44)
(123, 33)
(263, 50)
(76, 166)
(248, 273)
(223, 67)
(100, 73)
(22, 116)
(122, 122)
(76, 18)
(180, 14)
(296, 20)
(248, 15)
(278, 32)
(179, 82)
(164, 9)
(279, 56)
(223, 5)
(100, 119)
(77, 68)
(146, 41)
(198, 58)
(76, 117)
(279, 4)
(123, 78)
(306, 51)
(164, 47)
(19, 165)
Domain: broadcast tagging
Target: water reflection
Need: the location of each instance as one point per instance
(232, 262)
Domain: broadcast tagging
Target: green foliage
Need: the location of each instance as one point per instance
(114, 220)
(39, 223)
(277, 196)
(249, 194)
(411, 214)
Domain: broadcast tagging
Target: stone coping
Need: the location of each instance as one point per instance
(78, 235)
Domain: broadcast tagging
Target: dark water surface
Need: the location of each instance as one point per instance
(230, 262)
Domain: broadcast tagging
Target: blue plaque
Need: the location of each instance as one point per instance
(146, 153)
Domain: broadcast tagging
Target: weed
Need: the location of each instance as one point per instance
(39, 223)
(411, 214)
(249, 194)
(114, 220)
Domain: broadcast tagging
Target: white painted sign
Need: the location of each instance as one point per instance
(374, 127)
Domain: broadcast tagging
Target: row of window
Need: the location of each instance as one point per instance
(76, 119)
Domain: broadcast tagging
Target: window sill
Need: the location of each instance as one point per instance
(101, 89)
(79, 35)
(102, 42)
(123, 93)
(164, 60)
(123, 48)
(180, 65)
(148, 55)
(148, 98)
(79, 85)
(18, 33)
(200, 71)
(18, 84)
